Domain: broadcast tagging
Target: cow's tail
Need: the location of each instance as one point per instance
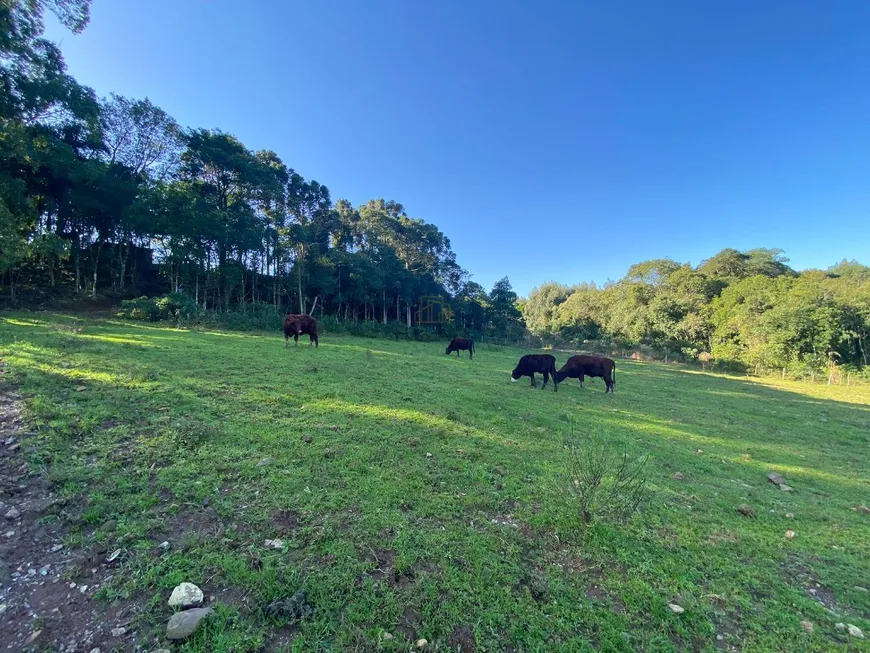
(613, 375)
(472, 345)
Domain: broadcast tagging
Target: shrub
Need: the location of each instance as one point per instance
(176, 307)
(607, 485)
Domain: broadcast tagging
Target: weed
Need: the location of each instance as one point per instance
(607, 484)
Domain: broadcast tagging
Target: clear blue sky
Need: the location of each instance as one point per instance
(549, 140)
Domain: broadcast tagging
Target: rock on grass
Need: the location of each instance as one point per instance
(186, 595)
(746, 510)
(183, 624)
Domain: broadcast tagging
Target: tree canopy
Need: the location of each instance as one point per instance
(748, 308)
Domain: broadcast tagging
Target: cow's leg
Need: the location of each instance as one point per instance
(546, 379)
(581, 381)
(296, 339)
(608, 381)
(310, 340)
(286, 341)
(534, 385)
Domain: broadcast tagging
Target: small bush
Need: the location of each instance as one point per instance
(607, 485)
(175, 307)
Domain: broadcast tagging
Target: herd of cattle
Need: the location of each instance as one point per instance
(577, 367)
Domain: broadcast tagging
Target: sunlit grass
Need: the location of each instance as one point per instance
(389, 446)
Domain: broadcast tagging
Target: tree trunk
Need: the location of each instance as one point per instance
(78, 265)
(127, 247)
(385, 306)
(299, 284)
(96, 268)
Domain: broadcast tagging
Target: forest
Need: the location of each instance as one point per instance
(110, 199)
(745, 310)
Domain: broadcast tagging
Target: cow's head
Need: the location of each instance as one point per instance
(449, 348)
(515, 375)
(560, 376)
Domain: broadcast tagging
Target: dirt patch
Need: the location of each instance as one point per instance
(282, 639)
(46, 589)
(801, 574)
(284, 521)
(383, 562)
(462, 640)
(409, 623)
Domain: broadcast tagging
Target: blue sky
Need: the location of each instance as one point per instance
(549, 140)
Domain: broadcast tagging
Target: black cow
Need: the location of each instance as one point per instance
(586, 365)
(461, 344)
(542, 363)
(295, 325)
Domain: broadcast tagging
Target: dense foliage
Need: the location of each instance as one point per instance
(744, 308)
(112, 198)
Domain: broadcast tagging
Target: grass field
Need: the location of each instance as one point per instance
(432, 499)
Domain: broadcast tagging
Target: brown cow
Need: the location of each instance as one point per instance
(463, 344)
(296, 325)
(587, 365)
(542, 363)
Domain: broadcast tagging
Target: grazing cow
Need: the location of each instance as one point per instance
(584, 365)
(542, 363)
(461, 344)
(296, 325)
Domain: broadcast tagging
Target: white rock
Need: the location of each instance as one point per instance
(186, 595)
(119, 632)
(790, 535)
(12, 513)
(676, 609)
(854, 631)
(840, 626)
(274, 544)
(422, 643)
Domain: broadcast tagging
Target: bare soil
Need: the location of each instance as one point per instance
(47, 589)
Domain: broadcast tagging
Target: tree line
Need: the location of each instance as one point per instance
(93, 191)
(111, 197)
(746, 309)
